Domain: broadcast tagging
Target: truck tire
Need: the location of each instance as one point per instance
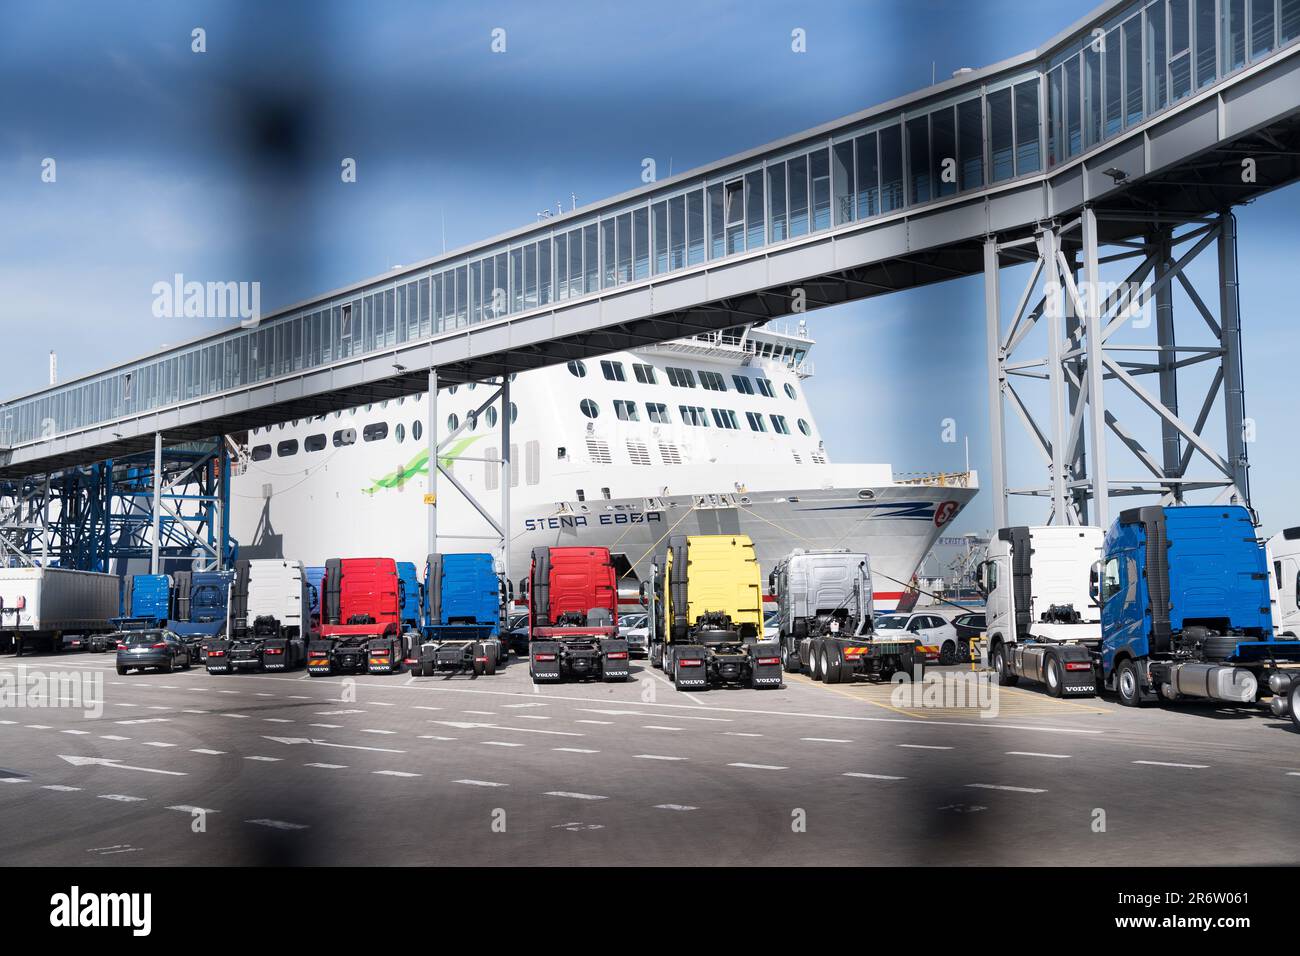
(490, 664)
(999, 660)
(815, 660)
(831, 663)
(1128, 685)
(656, 655)
(1053, 676)
(1294, 700)
(789, 658)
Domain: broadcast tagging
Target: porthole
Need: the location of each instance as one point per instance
(491, 416)
(805, 427)
(375, 431)
(261, 453)
(589, 408)
(399, 433)
(345, 436)
(287, 447)
(514, 413)
(789, 390)
(417, 430)
(453, 422)
(577, 368)
(314, 442)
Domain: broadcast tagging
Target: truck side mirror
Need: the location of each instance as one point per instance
(981, 579)
(1094, 583)
(771, 582)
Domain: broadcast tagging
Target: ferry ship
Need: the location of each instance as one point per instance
(702, 435)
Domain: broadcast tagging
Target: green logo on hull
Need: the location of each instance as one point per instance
(419, 465)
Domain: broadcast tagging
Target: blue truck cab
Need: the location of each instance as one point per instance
(1185, 606)
(460, 617)
(411, 595)
(146, 601)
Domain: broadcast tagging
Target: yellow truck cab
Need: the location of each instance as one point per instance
(709, 615)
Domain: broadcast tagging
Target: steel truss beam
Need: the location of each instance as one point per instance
(169, 508)
(1084, 317)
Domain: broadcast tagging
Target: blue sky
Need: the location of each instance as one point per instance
(225, 165)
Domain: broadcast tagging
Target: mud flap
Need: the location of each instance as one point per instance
(614, 660)
(381, 656)
(766, 667)
(544, 661)
(217, 656)
(318, 658)
(690, 667)
(274, 654)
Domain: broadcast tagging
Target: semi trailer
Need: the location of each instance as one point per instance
(460, 617)
(825, 614)
(709, 615)
(573, 616)
(361, 629)
(269, 619)
(1177, 608)
(39, 605)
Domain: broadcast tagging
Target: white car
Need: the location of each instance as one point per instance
(772, 625)
(635, 629)
(936, 634)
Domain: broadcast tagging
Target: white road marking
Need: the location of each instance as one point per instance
(121, 798)
(78, 732)
(481, 783)
(574, 750)
(157, 707)
(327, 726)
(112, 737)
(673, 806)
(757, 766)
(536, 703)
(826, 740)
(872, 776)
(657, 727)
(1185, 766)
(37, 726)
(227, 692)
(335, 713)
(277, 720)
(593, 721)
(1030, 753)
(326, 743)
(500, 743)
(145, 720)
(265, 759)
(532, 717)
(574, 796)
(380, 703)
(426, 707)
(537, 730)
(241, 716)
(300, 697)
(369, 731)
(434, 737)
(211, 753)
(14, 780)
(484, 713)
(196, 712)
(328, 766)
(186, 808)
(923, 747)
(8, 722)
(156, 743)
(657, 757)
(996, 786)
(737, 733)
(395, 773)
(278, 824)
(116, 765)
(61, 788)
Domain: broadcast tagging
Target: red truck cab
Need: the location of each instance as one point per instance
(361, 604)
(573, 616)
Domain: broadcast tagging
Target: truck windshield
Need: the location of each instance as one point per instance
(891, 622)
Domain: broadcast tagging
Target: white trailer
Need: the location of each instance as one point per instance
(1041, 621)
(39, 605)
(1284, 557)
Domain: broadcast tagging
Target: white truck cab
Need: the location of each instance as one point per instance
(278, 589)
(1041, 618)
(1284, 558)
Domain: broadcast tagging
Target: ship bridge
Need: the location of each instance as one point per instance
(1141, 126)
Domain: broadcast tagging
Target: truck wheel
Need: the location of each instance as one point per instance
(1295, 703)
(1052, 676)
(1128, 684)
(789, 660)
(490, 664)
(948, 653)
(1005, 677)
(830, 665)
(815, 661)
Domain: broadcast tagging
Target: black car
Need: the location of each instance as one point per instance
(969, 626)
(139, 650)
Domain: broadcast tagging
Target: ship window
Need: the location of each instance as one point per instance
(514, 413)
(713, 381)
(613, 371)
(805, 427)
(261, 453)
(453, 422)
(589, 408)
(577, 368)
(743, 384)
(605, 493)
(417, 430)
(626, 411)
(399, 433)
(779, 425)
(345, 436)
(491, 416)
(658, 413)
(693, 415)
(645, 374)
(314, 442)
(789, 390)
(452, 390)
(375, 431)
(680, 377)
(724, 418)
(582, 495)
(756, 422)
(765, 387)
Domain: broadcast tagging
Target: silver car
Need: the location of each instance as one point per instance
(635, 629)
